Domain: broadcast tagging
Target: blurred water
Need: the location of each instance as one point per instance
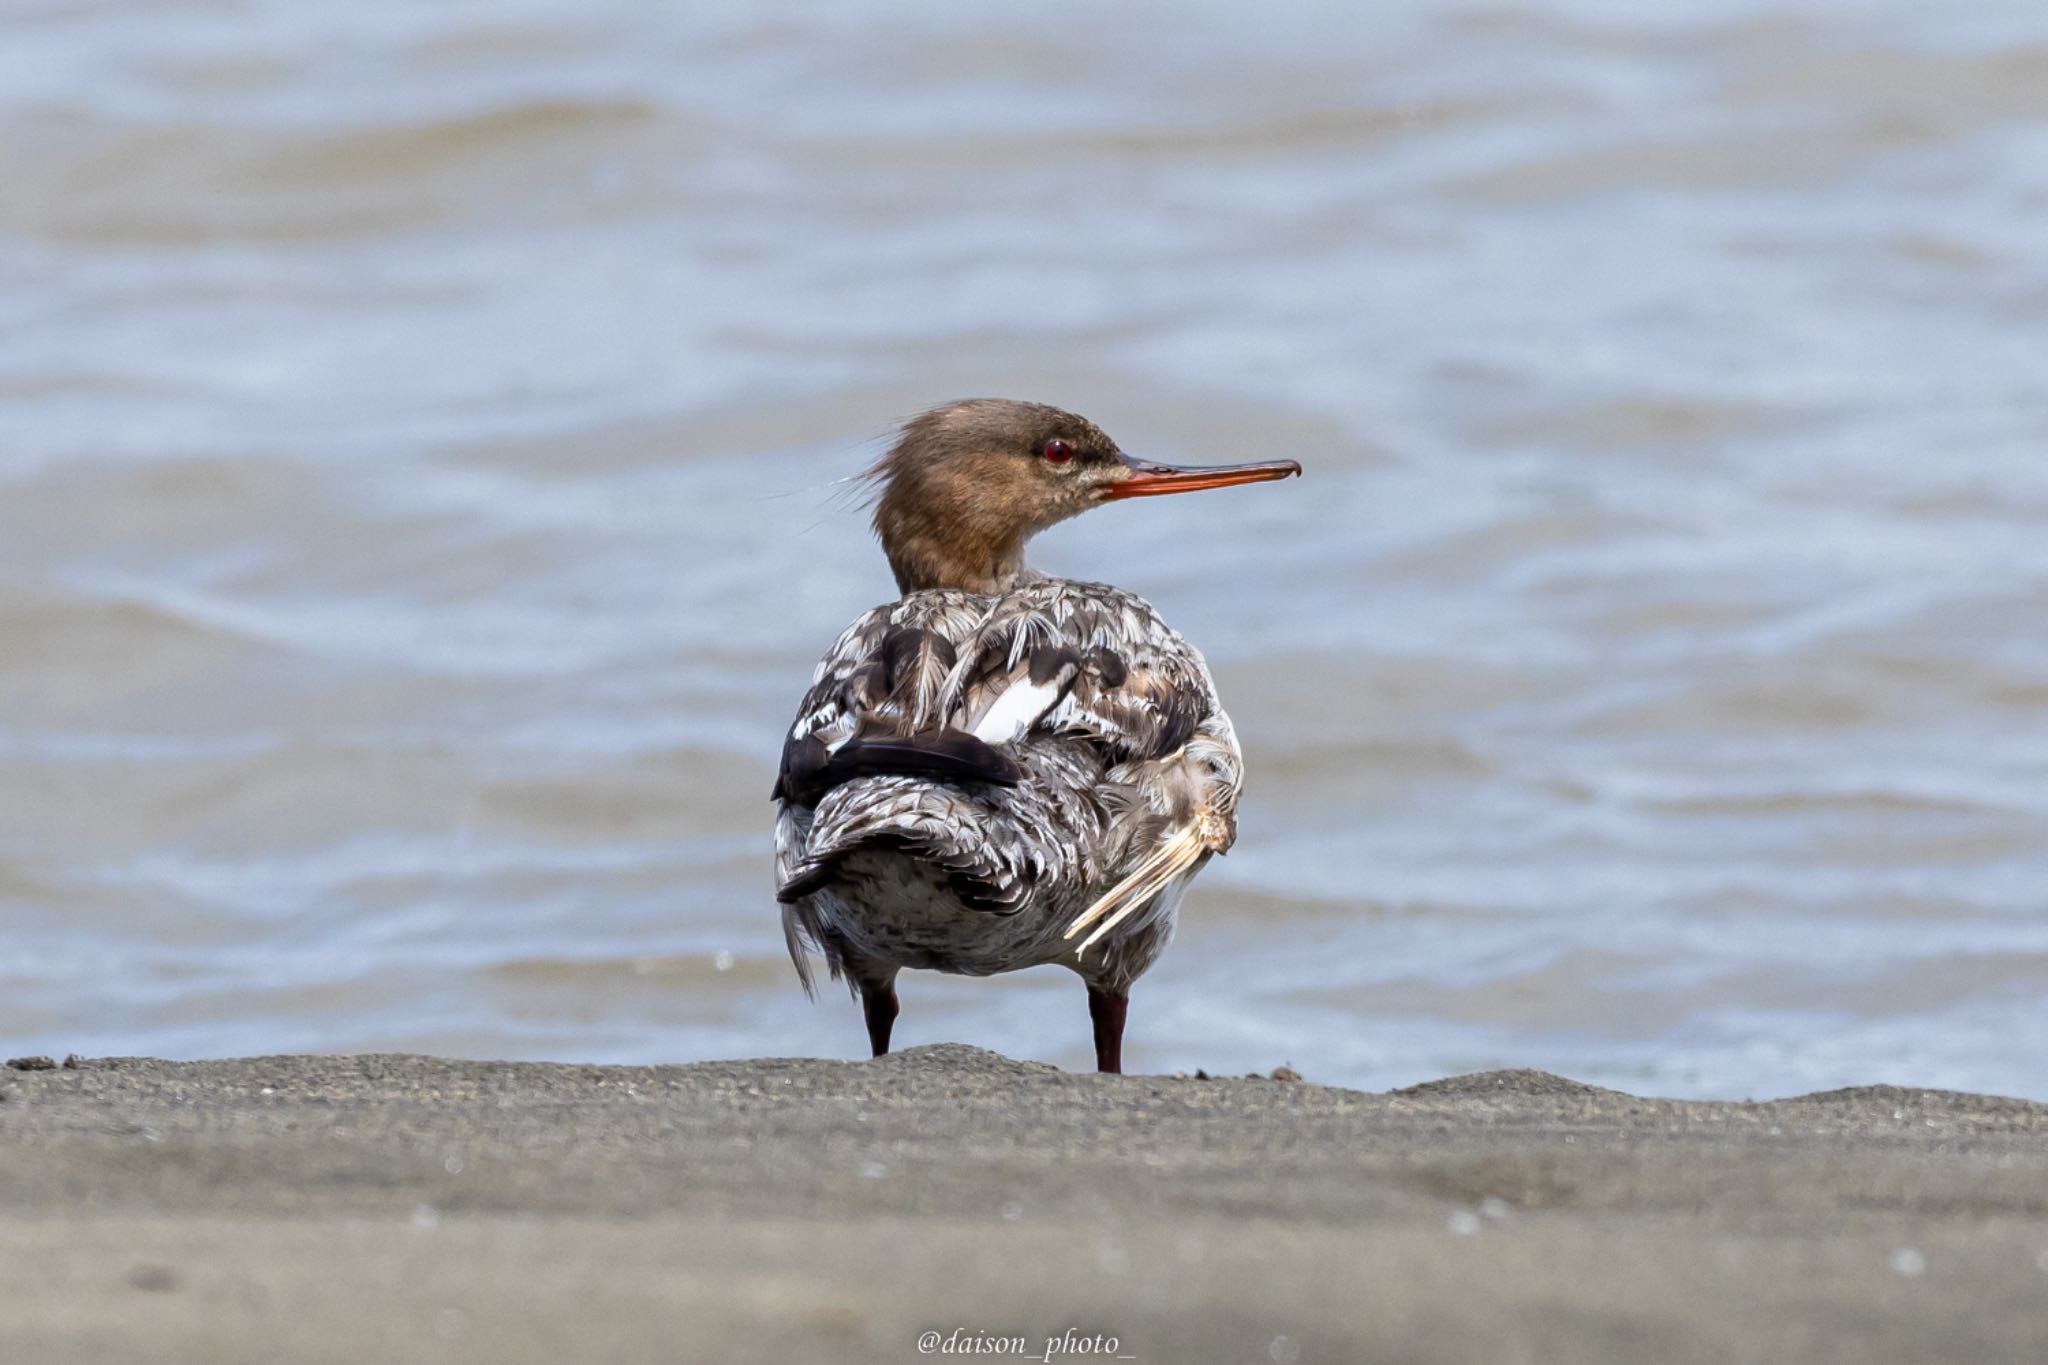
(417, 434)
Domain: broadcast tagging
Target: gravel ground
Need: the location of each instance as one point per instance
(383, 1208)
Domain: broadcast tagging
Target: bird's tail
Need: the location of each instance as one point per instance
(904, 815)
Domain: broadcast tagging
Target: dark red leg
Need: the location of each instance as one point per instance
(878, 1003)
(1107, 1009)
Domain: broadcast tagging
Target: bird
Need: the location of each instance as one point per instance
(1003, 769)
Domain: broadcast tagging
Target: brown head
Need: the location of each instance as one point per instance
(967, 484)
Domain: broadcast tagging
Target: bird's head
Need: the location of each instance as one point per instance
(967, 484)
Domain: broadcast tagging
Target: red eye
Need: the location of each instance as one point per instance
(1056, 451)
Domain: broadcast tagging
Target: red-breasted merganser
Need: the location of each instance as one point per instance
(1002, 769)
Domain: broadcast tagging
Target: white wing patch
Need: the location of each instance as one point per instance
(1019, 708)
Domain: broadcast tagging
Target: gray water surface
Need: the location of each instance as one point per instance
(419, 427)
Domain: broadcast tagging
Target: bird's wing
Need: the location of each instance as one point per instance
(1081, 658)
(878, 703)
(1089, 660)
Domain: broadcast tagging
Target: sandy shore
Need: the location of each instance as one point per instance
(404, 1208)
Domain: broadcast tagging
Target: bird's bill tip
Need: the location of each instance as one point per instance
(1147, 480)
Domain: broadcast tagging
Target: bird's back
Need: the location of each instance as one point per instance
(970, 773)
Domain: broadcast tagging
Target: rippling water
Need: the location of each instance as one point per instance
(418, 426)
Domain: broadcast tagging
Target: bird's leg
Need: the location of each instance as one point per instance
(878, 1003)
(1106, 1008)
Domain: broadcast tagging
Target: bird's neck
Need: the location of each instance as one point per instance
(945, 529)
(970, 564)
